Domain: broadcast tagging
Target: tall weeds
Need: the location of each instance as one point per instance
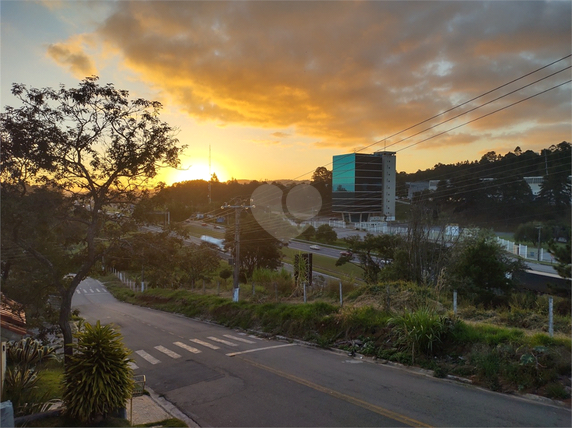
(420, 330)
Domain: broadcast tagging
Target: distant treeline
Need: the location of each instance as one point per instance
(490, 192)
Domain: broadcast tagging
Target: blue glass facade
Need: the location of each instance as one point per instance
(358, 184)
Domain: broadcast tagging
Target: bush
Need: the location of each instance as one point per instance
(20, 388)
(98, 380)
(27, 353)
(420, 330)
(21, 377)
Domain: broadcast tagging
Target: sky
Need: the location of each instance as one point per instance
(274, 89)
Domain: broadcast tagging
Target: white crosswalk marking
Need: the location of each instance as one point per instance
(167, 351)
(84, 291)
(98, 290)
(132, 365)
(254, 337)
(238, 338)
(147, 356)
(207, 344)
(226, 342)
(90, 290)
(187, 347)
(78, 292)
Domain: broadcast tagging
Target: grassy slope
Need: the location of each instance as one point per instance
(489, 354)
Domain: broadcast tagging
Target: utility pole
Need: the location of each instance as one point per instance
(237, 210)
(210, 175)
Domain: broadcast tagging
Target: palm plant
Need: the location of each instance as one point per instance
(98, 380)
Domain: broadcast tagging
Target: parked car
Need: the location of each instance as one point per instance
(314, 247)
(348, 254)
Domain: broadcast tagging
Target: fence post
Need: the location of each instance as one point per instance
(455, 302)
(387, 299)
(550, 316)
(304, 291)
(341, 295)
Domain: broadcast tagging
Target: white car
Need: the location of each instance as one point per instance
(314, 247)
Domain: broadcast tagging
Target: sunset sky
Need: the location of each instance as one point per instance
(276, 88)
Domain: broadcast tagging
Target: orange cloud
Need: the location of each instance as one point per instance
(344, 74)
(71, 54)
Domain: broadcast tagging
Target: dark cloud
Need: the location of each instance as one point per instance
(71, 55)
(347, 73)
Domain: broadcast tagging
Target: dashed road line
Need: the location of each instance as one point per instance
(187, 347)
(207, 344)
(150, 358)
(167, 352)
(238, 338)
(226, 342)
(132, 365)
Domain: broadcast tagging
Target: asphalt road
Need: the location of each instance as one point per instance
(221, 377)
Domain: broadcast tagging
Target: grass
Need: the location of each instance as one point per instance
(49, 379)
(482, 344)
(198, 231)
(326, 265)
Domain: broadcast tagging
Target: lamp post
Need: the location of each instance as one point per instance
(539, 229)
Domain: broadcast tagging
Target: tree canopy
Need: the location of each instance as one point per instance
(95, 149)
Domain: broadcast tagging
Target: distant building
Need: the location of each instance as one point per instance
(363, 187)
(12, 319)
(419, 186)
(535, 184)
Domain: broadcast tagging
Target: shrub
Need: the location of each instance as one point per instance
(27, 353)
(98, 380)
(419, 330)
(556, 390)
(20, 388)
(21, 376)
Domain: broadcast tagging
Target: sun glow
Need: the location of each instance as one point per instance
(195, 171)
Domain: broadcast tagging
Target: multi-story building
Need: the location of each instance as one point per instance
(363, 187)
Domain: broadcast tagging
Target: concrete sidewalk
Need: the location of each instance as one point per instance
(152, 408)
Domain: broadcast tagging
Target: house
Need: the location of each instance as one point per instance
(12, 319)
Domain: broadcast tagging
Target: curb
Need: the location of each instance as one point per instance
(170, 408)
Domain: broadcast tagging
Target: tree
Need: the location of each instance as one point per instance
(95, 145)
(326, 234)
(200, 261)
(482, 271)
(563, 255)
(309, 233)
(258, 249)
(373, 252)
(555, 189)
(322, 181)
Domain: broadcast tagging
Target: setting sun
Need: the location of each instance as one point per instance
(195, 171)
